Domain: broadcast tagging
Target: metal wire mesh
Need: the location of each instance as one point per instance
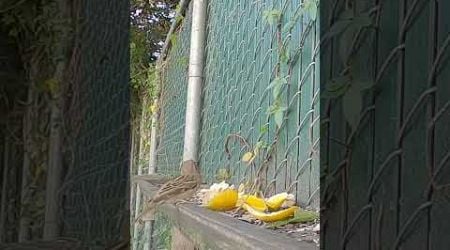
(98, 124)
(243, 58)
(173, 101)
(386, 184)
(241, 63)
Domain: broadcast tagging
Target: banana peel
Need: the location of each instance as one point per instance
(219, 196)
(223, 200)
(275, 202)
(289, 202)
(255, 202)
(273, 216)
(241, 199)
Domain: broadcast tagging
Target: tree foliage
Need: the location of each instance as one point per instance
(150, 23)
(152, 20)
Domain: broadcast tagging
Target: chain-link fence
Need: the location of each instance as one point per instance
(385, 146)
(11, 149)
(97, 114)
(172, 102)
(260, 86)
(94, 121)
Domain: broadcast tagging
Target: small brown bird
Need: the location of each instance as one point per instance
(174, 191)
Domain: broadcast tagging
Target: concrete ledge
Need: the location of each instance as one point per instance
(214, 230)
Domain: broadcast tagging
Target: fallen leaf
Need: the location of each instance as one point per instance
(248, 157)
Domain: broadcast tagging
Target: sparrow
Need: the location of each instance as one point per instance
(149, 184)
(174, 191)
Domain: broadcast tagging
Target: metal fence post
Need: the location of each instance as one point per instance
(193, 101)
(195, 78)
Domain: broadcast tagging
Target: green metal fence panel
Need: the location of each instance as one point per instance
(247, 50)
(97, 113)
(386, 175)
(172, 103)
(243, 51)
(244, 55)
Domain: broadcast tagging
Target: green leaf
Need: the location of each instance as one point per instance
(310, 7)
(289, 26)
(338, 83)
(285, 56)
(279, 116)
(303, 216)
(313, 12)
(179, 19)
(336, 87)
(360, 78)
(263, 129)
(276, 85)
(337, 28)
(294, 20)
(351, 105)
(272, 16)
(277, 81)
(276, 91)
(271, 109)
(259, 145)
(346, 42)
(348, 20)
(223, 174)
(300, 216)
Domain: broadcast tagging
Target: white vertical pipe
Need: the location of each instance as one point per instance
(194, 91)
(152, 160)
(193, 108)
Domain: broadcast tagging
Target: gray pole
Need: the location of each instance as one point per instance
(194, 91)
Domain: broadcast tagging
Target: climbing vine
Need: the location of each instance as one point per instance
(278, 109)
(350, 84)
